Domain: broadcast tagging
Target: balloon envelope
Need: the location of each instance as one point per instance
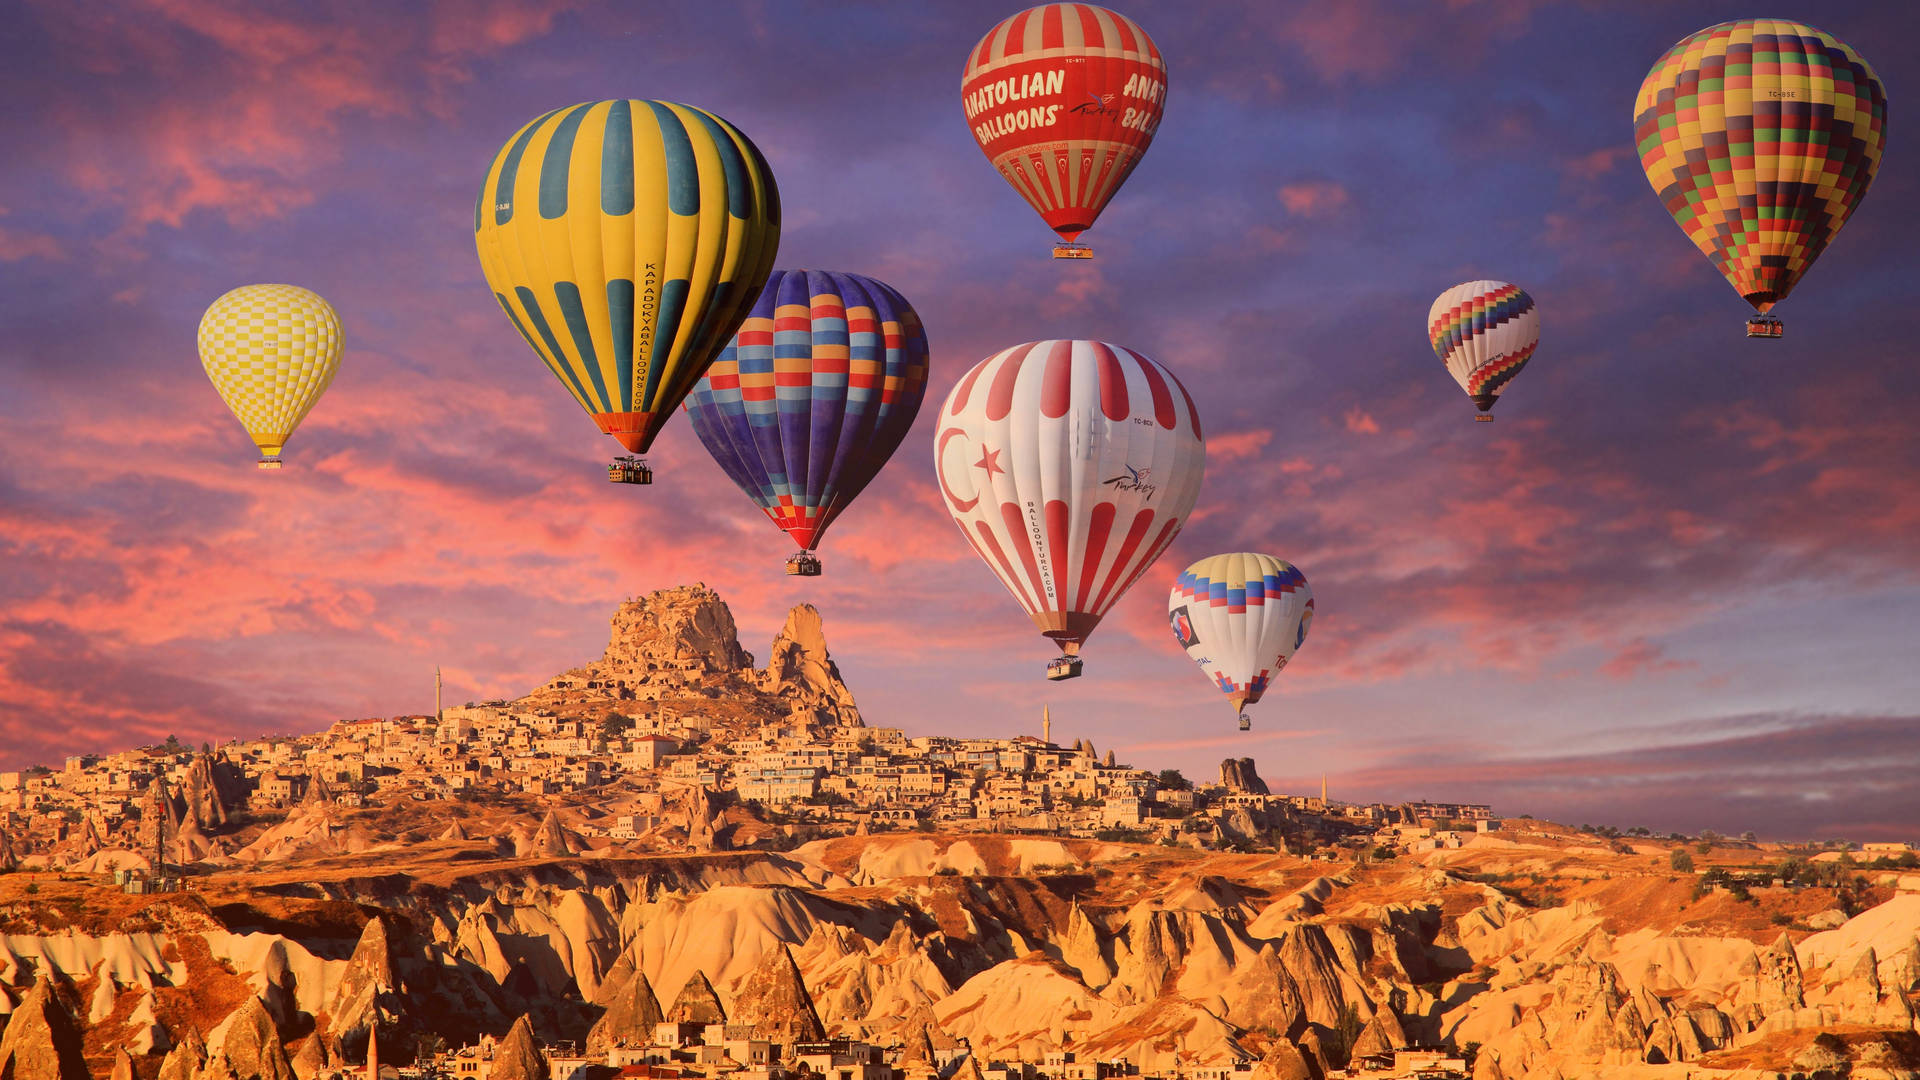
(271, 351)
(626, 240)
(1485, 332)
(1064, 99)
(813, 395)
(1069, 466)
(1761, 136)
(1240, 617)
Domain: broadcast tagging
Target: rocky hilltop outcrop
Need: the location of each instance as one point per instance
(1238, 775)
(680, 647)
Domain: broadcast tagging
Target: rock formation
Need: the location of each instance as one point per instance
(629, 1019)
(42, 1041)
(354, 1006)
(697, 1003)
(774, 999)
(518, 1056)
(679, 644)
(251, 1050)
(1238, 775)
(799, 668)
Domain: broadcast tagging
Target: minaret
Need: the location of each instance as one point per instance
(437, 715)
(1323, 791)
(373, 1043)
(1046, 725)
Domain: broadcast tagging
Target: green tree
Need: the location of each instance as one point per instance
(1346, 1032)
(1171, 780)
(1679, 860)
(614, 725)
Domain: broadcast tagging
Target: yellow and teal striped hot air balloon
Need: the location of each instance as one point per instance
(627, 240)
(271, 351)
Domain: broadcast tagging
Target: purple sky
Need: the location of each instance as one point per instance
(1677, 584)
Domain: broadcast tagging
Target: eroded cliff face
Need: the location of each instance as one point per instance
(1114, 950)
(682, 643)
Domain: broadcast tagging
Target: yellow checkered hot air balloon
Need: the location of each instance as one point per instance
(271, 351)
(627, 240)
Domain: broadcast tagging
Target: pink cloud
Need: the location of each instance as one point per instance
(1361, 422)
(1238, 445)
(1642, 657)
(1314, 198)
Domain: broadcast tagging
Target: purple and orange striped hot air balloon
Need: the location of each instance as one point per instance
(811, 397)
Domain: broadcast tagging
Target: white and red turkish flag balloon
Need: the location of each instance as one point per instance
(1069, 466)
(1064, 99)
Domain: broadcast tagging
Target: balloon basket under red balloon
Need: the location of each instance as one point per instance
(1246, 722)
(629, 470)
(1765, 326)
(1072, 251)
(1483, 418)
(804, 564)
(1063, 667)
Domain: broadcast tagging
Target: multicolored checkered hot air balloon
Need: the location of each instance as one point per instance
(1240, 617)
(271, 351)
(811, 398)
(1064, 99)
(1069, 466)
(1485, 332)
(1761, 136)
(626, 240)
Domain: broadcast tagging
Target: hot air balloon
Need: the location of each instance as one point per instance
(1064, 99)
(1069, 466)
(811, 398)
(1240, 617)
(271, 351)
(626, 240)
(1761, 136)
(1485, 332)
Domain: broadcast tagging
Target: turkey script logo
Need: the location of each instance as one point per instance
(1136, 480)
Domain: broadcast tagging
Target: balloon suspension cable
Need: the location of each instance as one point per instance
(629, 469)
(1069, 249)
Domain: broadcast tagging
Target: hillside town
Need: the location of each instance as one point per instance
(645, 749)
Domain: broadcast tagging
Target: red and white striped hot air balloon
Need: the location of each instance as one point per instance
(1064, 100)
(1069, 466)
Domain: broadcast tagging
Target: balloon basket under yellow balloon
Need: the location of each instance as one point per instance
(267, 463)
(1072, 251)
(629, 470)
(1483, 418)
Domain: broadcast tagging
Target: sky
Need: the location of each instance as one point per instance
(1675, 585)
